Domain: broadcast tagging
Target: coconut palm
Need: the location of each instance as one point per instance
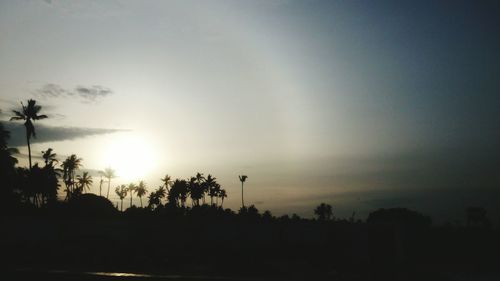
(210, 186)
(29, 113)
(156, 196)
(141, 190)
(203, 188)
(243, 178)
(84, 181)
(109, 174)
(100, 183)
(49, 157)
(70, 165)
(121, 191)
(222, 195)
(131, 189)
(167, 182)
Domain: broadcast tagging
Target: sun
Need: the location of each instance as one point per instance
(130, 155)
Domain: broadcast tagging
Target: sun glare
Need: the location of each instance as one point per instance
(131, 156)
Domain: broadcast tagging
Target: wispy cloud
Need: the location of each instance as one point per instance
(51, 133)
(86, 94)
(93, 93)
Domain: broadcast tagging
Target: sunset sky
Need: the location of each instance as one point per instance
(359, 104)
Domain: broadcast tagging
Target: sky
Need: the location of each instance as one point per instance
(359, 104)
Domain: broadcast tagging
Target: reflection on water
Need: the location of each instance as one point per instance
(153, 276)
(120, 274)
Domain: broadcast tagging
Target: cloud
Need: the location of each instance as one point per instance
(51, 133)
(92, 93)
(86, 94)
(52, 91)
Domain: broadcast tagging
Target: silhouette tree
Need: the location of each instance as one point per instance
(141, 190)
(131, 189)
(70, 165)
(178, 193)
(109, 174)
(167, 182)
(84, 182)
(49, 157)
(101, 173)
(211, 186)
(7, 167)
(323, 211)
(399, 217)
(29, 113)
(195, 191)
(476, 216)
(222, 194)
(155, 197)
(121, 191)
(202, 189)
(243, 178)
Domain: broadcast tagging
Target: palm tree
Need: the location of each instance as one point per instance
(167, 182)
(156, 196)
(49, 157)
(109, 174)
(121, 191)
(85, 181)
(100, 183)
(200, 181)
(211, 186)
(141, 190)
(29, 114)
(131, 188)
(70, 165)
(243, 178)
(222, 195)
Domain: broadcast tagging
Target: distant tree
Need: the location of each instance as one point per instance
(49, 157)
(476, 216)
(201, 188)
(70, 165)
(29, 113)
(243, 178)
(212, 187)
(195, 191)
(167, 182)
(399, 217)
(7, 167)
(267, 216)
(178, 193)
(109, 174)
(101, 173)
(324, 212)
(121, 191)
(222, 194)
(131, 189)
(141, 190)
(251, 212)
(84, 182)
(155, 197)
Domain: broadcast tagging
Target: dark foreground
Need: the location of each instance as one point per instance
(201, 248)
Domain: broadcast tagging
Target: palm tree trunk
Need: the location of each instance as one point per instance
(100, 187)
(140, 198)
(222, 203)
(131, 199)
(109, 183)
(29, 147)
(242, 202)
(121, 205)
